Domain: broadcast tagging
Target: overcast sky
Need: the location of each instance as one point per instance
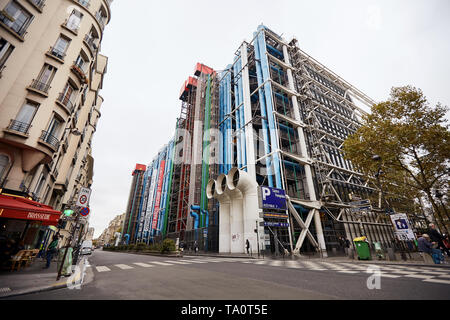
(153, 46)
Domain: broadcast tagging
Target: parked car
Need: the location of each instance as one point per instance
(86, 247)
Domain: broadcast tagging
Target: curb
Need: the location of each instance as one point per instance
(59, 285)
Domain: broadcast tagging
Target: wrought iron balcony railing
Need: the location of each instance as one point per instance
(41, 86)
(90, 42)
(19, 126)
(57, 53)
(65, 100)
(48, 138)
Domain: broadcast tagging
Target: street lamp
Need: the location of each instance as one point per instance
(74, 131)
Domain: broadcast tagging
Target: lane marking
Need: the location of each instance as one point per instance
(123, 266)
(348, 271)
(419, 276)
(142, 264)
(102, 268)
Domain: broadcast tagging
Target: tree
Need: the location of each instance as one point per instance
(412, 139)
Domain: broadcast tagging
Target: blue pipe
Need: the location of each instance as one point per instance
(286, 128)
(269, 106)
(241, 100)
(195, 215)
(275, 52)
(301, 208)
(263, 112)
(237, 115)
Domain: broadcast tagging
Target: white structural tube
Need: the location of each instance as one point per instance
(224, 215)
(241, 181)
(237, 244)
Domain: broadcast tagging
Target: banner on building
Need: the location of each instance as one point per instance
(402, 226)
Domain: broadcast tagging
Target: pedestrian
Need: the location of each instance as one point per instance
(51, 250)
(446, 241)
(435, 236)
(195, 246)
(247, 246)
(426, 246)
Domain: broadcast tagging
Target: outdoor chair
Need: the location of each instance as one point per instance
(30, 256)
(17, 259)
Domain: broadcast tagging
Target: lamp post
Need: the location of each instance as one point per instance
(377, 175)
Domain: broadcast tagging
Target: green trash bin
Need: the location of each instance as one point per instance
(362, 248)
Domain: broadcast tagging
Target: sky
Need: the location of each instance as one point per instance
(153, 46)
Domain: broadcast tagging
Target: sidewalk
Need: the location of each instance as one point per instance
(34, 279)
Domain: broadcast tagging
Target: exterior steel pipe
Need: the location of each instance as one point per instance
(237, 243)
(212, 191)
(241, 181)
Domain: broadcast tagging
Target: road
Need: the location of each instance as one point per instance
(124, 276)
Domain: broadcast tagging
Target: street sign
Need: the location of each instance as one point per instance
(83, 197)
(84, 212)
(276, 224)
(275, 215)
(360, 205)
(272, 198)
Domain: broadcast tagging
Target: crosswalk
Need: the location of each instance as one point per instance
(425, 273)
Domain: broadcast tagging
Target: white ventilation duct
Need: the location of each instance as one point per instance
(237, 243)
(212, 191)
(241, 180)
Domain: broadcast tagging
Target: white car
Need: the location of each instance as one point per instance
(86, 250)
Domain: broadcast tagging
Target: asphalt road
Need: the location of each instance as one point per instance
(123, 276)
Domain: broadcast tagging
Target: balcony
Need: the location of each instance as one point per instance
(38, 4)
(19, 127)
(39, 87)
(89, 40)
(48, 139)
(65, 102)
(100, 19)
(80, 72)
(57, 54)
(74, 29)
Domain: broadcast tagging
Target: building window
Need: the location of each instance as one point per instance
(84, 3)
(60, 47)
(73, 23)
(39, 185)
(67, 97)
(22, 122)
(4, 164)
(51, 135)
(16, 17)
(45, 78)
(5, 50)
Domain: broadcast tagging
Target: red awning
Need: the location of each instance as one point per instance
(21, 208)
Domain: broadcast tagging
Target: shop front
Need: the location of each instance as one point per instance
(25, 221)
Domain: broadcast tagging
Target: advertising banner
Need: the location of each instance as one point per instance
(158, 194)
(402, 226)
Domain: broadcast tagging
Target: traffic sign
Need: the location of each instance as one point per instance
(83, 197)
(84, 212)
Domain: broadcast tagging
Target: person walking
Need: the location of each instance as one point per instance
(51, 250)
(247, 246)
(426, 246)
(195, 246)
(435, 236)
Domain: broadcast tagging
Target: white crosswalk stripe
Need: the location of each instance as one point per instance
(102, 268)
(194, 261)
(418, 276)
(123, 266)
(437, 281)
(177, 262)
(142, 264)
(161, 263)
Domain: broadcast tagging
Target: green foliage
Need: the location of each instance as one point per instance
(168, 245)
(413, 141)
